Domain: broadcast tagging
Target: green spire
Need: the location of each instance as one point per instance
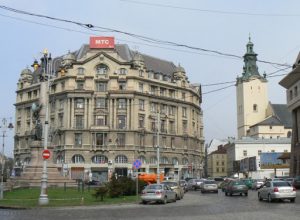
(250, 68)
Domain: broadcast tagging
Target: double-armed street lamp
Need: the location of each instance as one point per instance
(4, 126)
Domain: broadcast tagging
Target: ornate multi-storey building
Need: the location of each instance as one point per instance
(104, 105)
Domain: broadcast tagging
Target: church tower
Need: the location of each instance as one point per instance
(251, 93)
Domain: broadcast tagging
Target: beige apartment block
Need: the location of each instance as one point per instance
(104, 108)
(217, 163)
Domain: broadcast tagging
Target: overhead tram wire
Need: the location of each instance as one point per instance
(210, 10)
(141, 37)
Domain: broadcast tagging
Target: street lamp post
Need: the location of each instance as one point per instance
(157, 148)
(45, 87)
(4, 127)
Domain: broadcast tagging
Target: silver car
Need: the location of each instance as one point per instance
(158, 193)
(275, 190)
(257, 184)
(209, 186)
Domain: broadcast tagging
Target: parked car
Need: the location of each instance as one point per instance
(275, 190)
(183, 184)
(296, 182)
(195, 184)
(257, 184)
(158, 193)
(176, 188)
(209, 186)
(236, 187)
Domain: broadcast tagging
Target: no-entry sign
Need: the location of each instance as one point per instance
(46, 154)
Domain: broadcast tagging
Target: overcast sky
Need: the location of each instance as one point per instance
(222, 26)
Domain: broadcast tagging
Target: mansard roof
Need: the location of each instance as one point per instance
(151, 63)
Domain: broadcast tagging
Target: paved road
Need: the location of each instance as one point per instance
(194, 206)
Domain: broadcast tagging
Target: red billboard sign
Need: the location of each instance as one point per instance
(102, 42)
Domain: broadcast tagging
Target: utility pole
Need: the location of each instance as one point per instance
(45, 87)
(157, 147)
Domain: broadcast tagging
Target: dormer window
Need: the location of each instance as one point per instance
(102, 69)
(157, 76)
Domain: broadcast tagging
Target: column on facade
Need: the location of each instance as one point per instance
(85, 115)
(128, 123)
(132, 114)
(72, 113)
(68, 115)
(114, 107)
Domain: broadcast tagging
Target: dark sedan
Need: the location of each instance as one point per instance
(236, 187)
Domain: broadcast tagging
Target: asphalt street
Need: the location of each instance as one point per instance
(195, 205)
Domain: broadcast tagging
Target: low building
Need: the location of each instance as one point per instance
(217, 162)
(240, 151)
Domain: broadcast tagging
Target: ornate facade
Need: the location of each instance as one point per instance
(104, 106)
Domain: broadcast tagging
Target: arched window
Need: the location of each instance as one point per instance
(99, 159)
(175, 161)
(153, 160)
(164, 160)
(142, 159)
(77, 158)
(102, 69)
(59, 159)
(185, 161)
(289, 134)
(121, 159)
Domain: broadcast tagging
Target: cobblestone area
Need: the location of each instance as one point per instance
(194, 206)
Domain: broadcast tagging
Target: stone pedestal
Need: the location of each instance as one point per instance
(32, 173)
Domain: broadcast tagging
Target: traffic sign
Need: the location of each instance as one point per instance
(137, 164)
(46, 154)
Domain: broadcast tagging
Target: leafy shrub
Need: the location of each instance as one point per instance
(101, 192)
(124, 186)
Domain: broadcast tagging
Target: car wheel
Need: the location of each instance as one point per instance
(230, 194)
(164, 200)
(144, 202)
(269, 198)
(292, 200)
(259, 197)
(246, 194)
(226, 194)
(202, 191)
(241, 194)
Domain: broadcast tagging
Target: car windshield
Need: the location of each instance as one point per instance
(154, 186)
(209, 182)
(170, 184)
(281, 183)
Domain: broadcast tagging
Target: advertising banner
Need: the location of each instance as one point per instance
(252, 164)
(271, 161)
(102, 42)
